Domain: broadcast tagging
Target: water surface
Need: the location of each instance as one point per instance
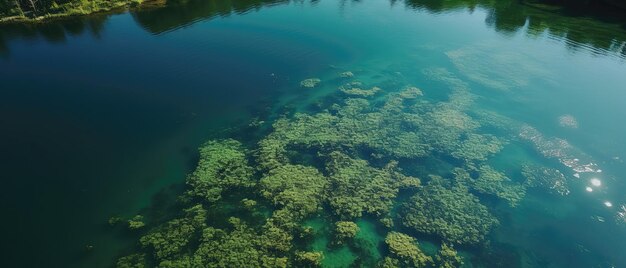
(101, 116)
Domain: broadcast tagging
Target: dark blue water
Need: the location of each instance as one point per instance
(101, 116)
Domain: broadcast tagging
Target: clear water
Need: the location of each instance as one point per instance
(101, 116)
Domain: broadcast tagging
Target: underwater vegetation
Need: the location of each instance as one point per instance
(454, 214)
(353, 88)
(406, 251)
(447, 257)
(222, 166)
(361, 158)
(546, 178)
(345, 230)
(310, 82)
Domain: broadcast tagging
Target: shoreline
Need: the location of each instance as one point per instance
(114, 7)
(84, 9)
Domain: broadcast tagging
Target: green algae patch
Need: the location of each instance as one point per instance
(405, 249)
(223, 166)
(354, 89)
(454, 214)
(309, 259)
(491, 181)
(447, 257)
(136, 222)
(241, 247)
(296, 190)
(345, 230)
(172, 239)
(549, 179)
(338, 186)
(357, 124)
(346, 74)
(310, 82)
(355, 183)
(132, 261)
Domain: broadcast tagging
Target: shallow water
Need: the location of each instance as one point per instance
(102, 116)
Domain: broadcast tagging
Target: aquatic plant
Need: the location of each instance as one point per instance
(447, 257)
(248, 203)
(295, 188)
(115, 220)
(568, 121)
(491, 181)
(359, 188)
(549, 179)
(277, 236)
(345, 230)
(452, 213)
(344, 163)
(136, 260)
(171, 239)
(223, 165)
(354, 89)
(387, 222)
(310, 82)
(355, 125)
(241, 247)
(309, 259)
(407, 182)
(346, 74)
(351, 187)
(389, 262)
(446, 129)
(477, 147)
(136, 222)
(406, 250)
(559, 149)
(360, 92)
(410, 93)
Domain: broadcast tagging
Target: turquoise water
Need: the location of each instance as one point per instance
(102, 116)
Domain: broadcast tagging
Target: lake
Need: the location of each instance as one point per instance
(509, 111)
